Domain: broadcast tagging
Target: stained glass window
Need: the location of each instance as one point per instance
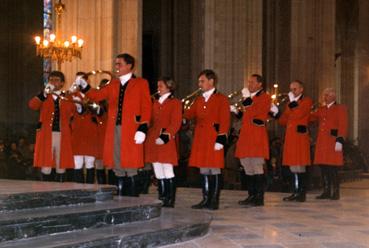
(48, 26)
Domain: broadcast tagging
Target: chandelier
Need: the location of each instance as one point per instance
(59, 50)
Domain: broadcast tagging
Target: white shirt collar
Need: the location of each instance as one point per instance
(298, 97)
(207, 94)
(124, 78)
(56, 94)
(254, 94)
(164, 97)
(330, 105)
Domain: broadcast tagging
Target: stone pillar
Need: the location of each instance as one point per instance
(361, 84)
(128, 30)
(313, 44)
(108, 27)
(346, 61)
(223, 44)
(254, 40)
(92, 20)
(276, 43)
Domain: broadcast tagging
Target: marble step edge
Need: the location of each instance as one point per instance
(37, 222)
(174, 226)
(13, 202)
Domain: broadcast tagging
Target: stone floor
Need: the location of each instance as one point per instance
(313, 224)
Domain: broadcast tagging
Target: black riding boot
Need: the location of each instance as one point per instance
(215, 191)
(205, 193)
(335, 184)
(170, 198)
(295, 183)
(250, 189)
(121, 186)
(90, 176)
(132, 186)
(259, 184)
(301, 195)
(78, 176)
(112, 179)
(101, 176)
(326, 177)
(59, 177)
(146, 181)
(46, 178)
(162, 190)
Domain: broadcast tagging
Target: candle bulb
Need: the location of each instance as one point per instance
(38, 40)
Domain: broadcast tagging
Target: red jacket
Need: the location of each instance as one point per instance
(136, 111)
(212, 119)
(43, 147)
(101, 129)
(166, 118)
(332, 124)
(253, 139)
(296, 148)
(84, 134)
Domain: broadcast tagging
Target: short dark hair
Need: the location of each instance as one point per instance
(169, 82)
(259, 79)
(209, 74)
(58, 74)
(299, 82)
(130, 60)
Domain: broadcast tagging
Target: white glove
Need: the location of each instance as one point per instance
(233, 109)
(274, 109)
(78, 105)
(245, 93)
(80, 82)
(48, 88)
(140, 137)
(291, 96)
(218, 146)
(159, 141)
(338, 147)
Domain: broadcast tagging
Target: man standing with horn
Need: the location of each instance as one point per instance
(332, 132)
(129, 113)
(296, 148)
(253, 144)
(211, 112)
(53, 148)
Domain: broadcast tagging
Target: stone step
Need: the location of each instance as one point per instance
(42, 221)
(20, 194)
(174, 226)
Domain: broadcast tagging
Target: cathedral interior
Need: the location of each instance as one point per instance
(321, 43)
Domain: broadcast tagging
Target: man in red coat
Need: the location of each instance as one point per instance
(296, 148)
(53, 148)
(129, 113)
(160, 147)
(212, 116)
(253, 144)
(332, 132)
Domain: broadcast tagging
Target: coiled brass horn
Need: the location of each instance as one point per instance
(190, 99)
(235, 98)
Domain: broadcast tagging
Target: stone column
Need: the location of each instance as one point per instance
(276, 43)
(92, 20)
(254, 40)
(361, 83)
(313, 44)
(128, 30)
(108, 27)
(229, 44)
